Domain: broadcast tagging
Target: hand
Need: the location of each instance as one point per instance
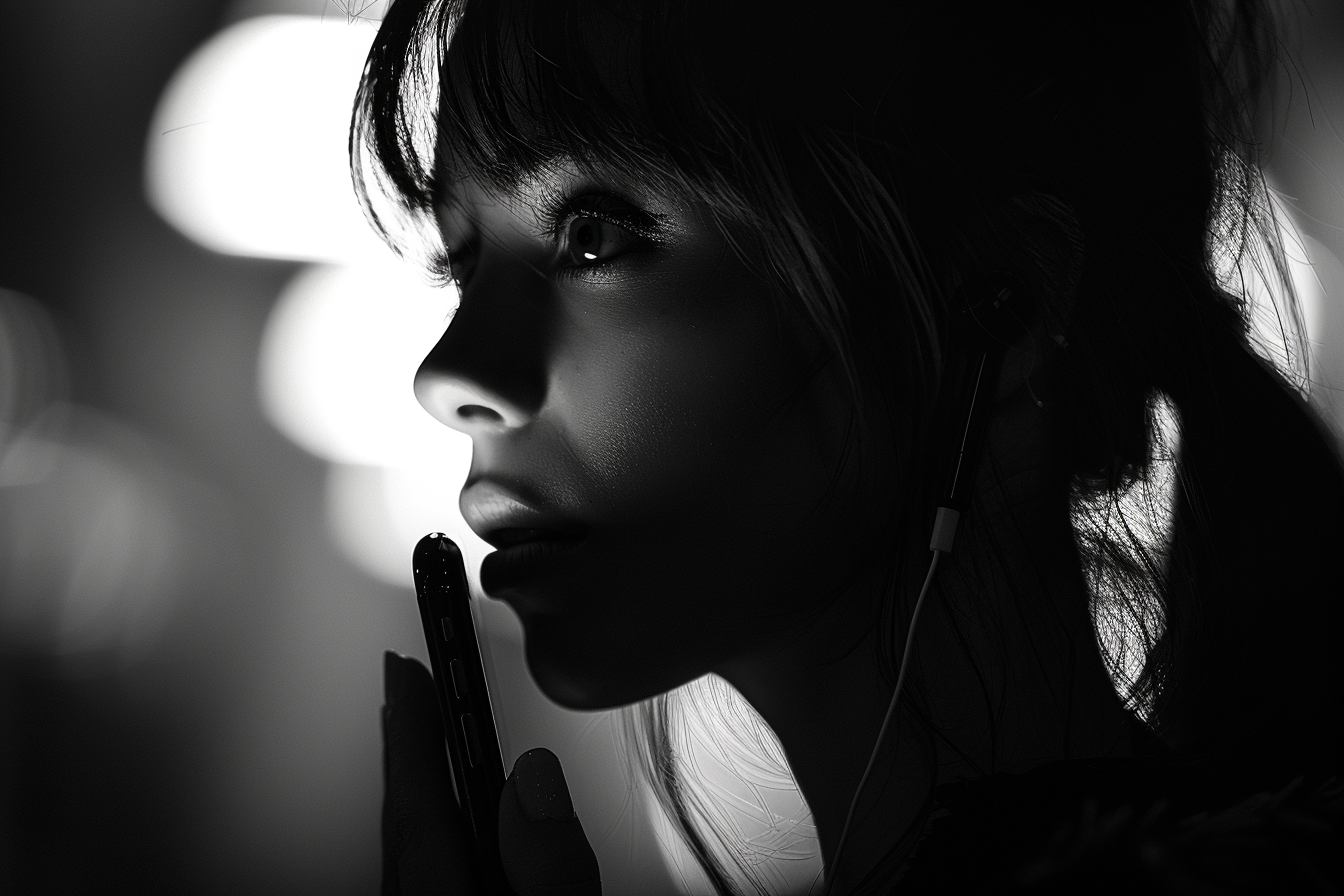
(427, 847)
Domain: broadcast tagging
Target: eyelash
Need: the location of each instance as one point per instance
(557, 213)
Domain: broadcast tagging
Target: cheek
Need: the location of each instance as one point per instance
(708, 460)
(695, 407)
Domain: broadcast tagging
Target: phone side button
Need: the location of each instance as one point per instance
(446, 624)
(469, 735)
(459, 683)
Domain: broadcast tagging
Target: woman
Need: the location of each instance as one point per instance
(728, 279)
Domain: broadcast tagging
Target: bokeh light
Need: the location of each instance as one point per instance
(247, 147)
(247, 156)
(337, 362)
(91, 526)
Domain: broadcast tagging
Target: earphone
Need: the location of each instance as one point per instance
(996, 310)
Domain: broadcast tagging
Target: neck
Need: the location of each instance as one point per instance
(1004, 665)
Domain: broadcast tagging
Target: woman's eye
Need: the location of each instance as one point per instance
(590, 240)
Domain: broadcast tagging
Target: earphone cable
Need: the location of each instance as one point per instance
(886, 721)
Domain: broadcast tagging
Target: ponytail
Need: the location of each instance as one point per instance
(1249, 667)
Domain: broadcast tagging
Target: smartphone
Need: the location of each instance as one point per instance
(464, 697)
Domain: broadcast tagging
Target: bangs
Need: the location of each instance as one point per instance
(501, 91)
(528, 84)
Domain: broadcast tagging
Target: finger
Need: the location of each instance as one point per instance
(541, 841)
(424, 843)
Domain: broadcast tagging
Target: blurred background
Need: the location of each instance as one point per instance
(212, 470)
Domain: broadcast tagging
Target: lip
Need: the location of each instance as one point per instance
(499, 514)
(512, 567)
(530, 538)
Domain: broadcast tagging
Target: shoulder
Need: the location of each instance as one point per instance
(1131, 826)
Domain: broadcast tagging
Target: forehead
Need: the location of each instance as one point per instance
(463, 203)
(459, 190)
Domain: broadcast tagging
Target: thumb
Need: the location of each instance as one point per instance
(541, 841)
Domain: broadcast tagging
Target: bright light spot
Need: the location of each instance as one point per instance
(377, 514)
(247, 154)
(1323, 276)
(1304, 255)
(337, 363)
(365, 12)
(1250, 270)
(338, 360)
(247, 149)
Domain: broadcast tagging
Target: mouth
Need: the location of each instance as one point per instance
(511, 537)
(524, 556)
(531, 537)
(503, 519)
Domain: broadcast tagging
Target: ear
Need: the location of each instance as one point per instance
(1038, 238)
(1050, 251)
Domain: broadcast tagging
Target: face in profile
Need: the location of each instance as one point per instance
(657, 439)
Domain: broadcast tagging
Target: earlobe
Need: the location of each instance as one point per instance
(1036, 237)
(1042, 381)
(1034, 364)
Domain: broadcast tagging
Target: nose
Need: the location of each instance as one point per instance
(480, 378)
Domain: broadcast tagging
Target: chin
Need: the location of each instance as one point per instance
(576, 692)
(586, 677)
(573, 687)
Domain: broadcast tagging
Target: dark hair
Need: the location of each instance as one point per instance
(859, 152)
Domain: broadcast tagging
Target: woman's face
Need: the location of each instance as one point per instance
(656, 446)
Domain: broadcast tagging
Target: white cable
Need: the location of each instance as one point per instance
(886, 721)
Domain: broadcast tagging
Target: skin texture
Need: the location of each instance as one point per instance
(662, 402)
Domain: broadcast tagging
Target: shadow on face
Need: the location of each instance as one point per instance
(656, 446)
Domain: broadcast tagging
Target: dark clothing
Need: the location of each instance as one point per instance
(1132, 826)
